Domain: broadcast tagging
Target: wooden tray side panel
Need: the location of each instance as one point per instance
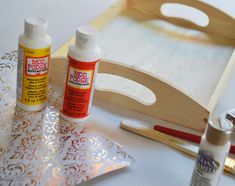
(222, 83)
(220, 24)
(171, 105)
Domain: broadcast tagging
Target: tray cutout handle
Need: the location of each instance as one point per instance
(220, 23)
(186, 13)
(126, 87)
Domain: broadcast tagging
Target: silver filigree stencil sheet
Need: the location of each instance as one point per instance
(7, 96)
(40, 148)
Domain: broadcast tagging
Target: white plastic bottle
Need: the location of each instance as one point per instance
(83, 60)
(33, 65)
(214, 148)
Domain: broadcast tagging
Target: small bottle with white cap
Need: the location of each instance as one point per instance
(83, 59)
(214, 149)
(33, 65)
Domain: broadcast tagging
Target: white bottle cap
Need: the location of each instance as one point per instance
(86, 37)
(35, 28)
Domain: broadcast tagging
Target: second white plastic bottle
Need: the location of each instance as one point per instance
(214, 148)
(83, 59)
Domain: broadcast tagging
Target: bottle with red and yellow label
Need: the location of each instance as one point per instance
(33, 65)
(83, 59)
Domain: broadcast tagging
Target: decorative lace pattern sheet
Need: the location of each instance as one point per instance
(40, 148)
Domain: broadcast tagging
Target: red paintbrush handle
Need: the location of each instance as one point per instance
(232, 149)
(177, 133)
(183, 135)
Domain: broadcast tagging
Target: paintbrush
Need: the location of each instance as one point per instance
(174, 142)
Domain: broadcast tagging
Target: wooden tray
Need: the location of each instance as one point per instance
(180, 71)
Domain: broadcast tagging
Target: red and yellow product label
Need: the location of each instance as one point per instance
(32, 77)
(78, 88)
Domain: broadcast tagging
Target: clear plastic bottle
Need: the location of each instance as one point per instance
(83, 60)
(214, 149)
(33, 65)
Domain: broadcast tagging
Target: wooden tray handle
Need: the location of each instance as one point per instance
(220, 23)
(172, 104)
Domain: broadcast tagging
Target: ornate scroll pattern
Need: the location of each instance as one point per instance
(40, 148)
(7, 97)
(11, 56)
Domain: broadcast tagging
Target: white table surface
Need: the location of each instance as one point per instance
(156, 164)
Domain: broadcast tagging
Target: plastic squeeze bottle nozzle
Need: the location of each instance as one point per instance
(213, 150)
(83, 60)
(33, 65)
